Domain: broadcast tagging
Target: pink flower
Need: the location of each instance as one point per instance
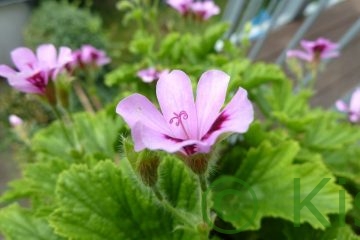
(151, 74)
(205, 10)
(15, 120)
(184, 125)
(182, 6)
(34, 71)
(353, 110)
(315, 50)
(88, 55)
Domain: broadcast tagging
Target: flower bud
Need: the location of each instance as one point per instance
(15, 120)
(147, 167)
(198, 163)
(144, 163)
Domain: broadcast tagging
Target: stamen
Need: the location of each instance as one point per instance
(179, 117)
(182, 114)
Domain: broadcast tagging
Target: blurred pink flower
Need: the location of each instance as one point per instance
(184, 125)
(205, 10)
(202, 10)
(88, 55)
(151, 74)
(353, 109)
(15, 120)
(182, 6)
(34, 71)
(315, 50)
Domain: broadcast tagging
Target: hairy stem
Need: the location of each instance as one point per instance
(179, 215)
(62, 124)
(85, 102)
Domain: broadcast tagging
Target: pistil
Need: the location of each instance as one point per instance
(178, 118)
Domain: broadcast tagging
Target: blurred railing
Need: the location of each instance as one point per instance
(266, 15)
(13, 16)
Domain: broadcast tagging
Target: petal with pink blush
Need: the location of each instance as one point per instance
(307, 45)
(182, 6)
(332, 54)
(23, 58)
(46, 55)
(137, 108)
(355, 102)
(341, 106)
(354, 118)
(299, 54)
(65, 56)
(235, 118)
(210, 97)
(175, 96)
(22, 85)
(205, 10)
(6, 71)
(145, 137)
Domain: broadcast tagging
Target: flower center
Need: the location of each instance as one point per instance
(38, 81)
(319, 48)
(178, 120)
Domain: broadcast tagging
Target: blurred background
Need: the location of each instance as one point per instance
(273, 26)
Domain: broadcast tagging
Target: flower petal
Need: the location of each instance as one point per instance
(299, 54)
(182, 6)
(145, 137)
(6, 71)
(236, 117)
(210, 97)
(21, 84)
(354, 118)
(330, 54)
(341, 106)
(137, 108)
(23, 58)
(65, 56)
(355, 102)
(46, 55)
(175, 95)
(308, 45)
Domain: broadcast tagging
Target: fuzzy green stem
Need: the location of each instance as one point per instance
(204, 187)
(62, 124)
(203, 183)
(84, 100)
(171, 209)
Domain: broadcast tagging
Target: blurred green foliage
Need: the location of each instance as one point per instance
(64, 24)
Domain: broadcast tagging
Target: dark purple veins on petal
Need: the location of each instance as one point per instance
(319, 48)
(190, 149)
(177, 140)
(216, 125)
(38, 80)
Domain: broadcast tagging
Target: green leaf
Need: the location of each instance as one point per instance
(345, 162)
(104, 203)
(326, 133)
(260, 73)
(209, 39)
(126, 73)
(142, 43)
(179, 185)
(39, 182)
(305, 231)
(269, 174)
(17, 223)
(92, 135)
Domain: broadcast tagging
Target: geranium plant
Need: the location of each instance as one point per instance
(245, 157)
